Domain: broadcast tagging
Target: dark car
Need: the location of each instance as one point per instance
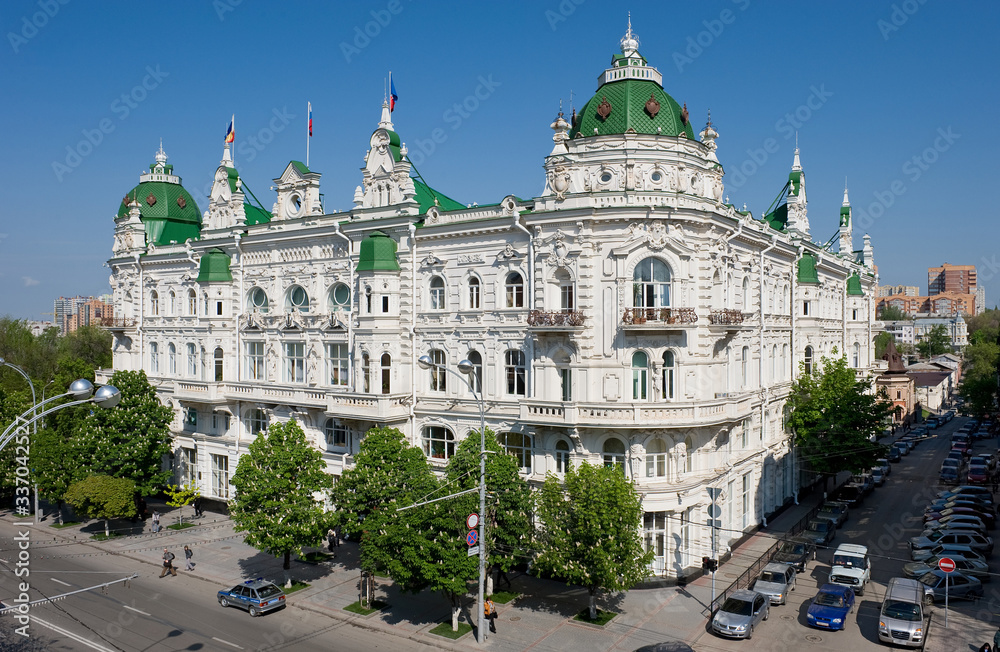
(987, 518)
(893, 455)
(865, 481)
(959, 585)
(830, 607)
(852, 494)
(796, 552)
(820, 531)
(950, 475)
(256, 596)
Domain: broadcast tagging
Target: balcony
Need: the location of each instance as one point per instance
(116, 323)
(640, 415)
(659, 319)
(729, 320)
(564, 320)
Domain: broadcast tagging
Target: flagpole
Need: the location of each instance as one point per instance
(308, 118)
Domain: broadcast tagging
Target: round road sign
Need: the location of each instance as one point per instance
(472, 537)
(472, 521)
(946, 564)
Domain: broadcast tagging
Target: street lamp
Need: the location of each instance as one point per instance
(467, 368)
(81, 391)
(34, 399)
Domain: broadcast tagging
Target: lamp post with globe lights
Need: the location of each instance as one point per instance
(81, 391)
(468, 369)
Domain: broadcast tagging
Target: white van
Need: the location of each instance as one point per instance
(901, 620)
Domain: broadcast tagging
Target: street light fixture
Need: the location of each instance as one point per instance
(81, 391)
(467, 369)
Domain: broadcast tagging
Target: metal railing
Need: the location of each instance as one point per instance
(659, 316)
(725, 317)
(560, 318)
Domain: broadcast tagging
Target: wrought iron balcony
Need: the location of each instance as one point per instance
(725, 317)
(659, 316)
(556, 320)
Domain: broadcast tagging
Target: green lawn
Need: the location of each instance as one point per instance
(316, 557)
(296, 586)
(100, 536)
(180, 526)
(444, 629)
(504, 597)
(62, 525)
(603, 617)
(355, 607)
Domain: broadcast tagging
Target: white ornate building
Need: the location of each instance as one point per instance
(625, 316)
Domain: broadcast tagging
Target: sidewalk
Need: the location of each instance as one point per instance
(541, 618)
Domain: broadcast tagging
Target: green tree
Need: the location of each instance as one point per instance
(181, 496)
(274, 505)
(104, 497)
(509, 503)
(982, 364)
(881, 342)
(936, 342)
(836, 418)
(131, 440)
(386, 470)
(893, 313)
(55, 466)
(590, 534)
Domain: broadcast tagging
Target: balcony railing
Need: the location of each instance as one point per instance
(686, 413)
(725, 317)
(113, 323)
(561, 319)
(658, 316)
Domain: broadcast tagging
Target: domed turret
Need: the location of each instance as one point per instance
(167, 210)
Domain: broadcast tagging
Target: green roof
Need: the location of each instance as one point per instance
(214, 266)
(807, 269)
(168, 212)
(778, 218)
(300, 166)
(854, 286)
(378, 253)
(628, 98)
(845, 215)
(256, 215)
(233, 178)
(427, 197)
(794, 182)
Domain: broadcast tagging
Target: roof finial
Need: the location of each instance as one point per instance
(847, 202)
(161, 156)
(796, 164)
(630, 44)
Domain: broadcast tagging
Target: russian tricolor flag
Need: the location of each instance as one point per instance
(393, 98)
(310, 119)
(231, 132)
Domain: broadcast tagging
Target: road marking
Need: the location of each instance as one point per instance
(137, 611)
(227, 643)
(69, 634)
(60, 581)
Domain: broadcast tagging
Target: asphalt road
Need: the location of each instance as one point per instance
(884, 522)
(156, 614)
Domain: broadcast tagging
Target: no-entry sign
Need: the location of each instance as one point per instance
(946, 564)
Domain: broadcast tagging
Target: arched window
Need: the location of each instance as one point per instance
(614, 453)
(689, 456)
(651, 284)
(475, 293)
(744, 365)
(436, 296)
(192, 361)
(784, 362)
(192, 307)
(297, 300)
(774, 357)
(172, 304)
(258, 300)
(337, 434)
(256, 421)
(562, 456)
(656, 459)
(728, 290)
(438, 442)
(171, 359)
(516, 372)
(386, 372)
(438, 374)
(518, 445)
(514, 288)
(366, 372)
(340, 297)
(718, 297)
(567, 291)
(782, 296)
(218, 365)
(476, 377)
(856, 355)
(808, 360)
(668, 375)
(770, 297)
(154, 358)
(154, 303)
(640, 375)
(745, 295)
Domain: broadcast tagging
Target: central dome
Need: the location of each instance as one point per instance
(168, 211)
(631, 99)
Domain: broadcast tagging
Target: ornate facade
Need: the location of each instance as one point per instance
(626, 316)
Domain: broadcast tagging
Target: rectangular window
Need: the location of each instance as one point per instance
(337, 435)
(220, 423)
(218, 308)
(516, 373)
(337, 364)
(154, 358)
(474, 294)
(295, 362)
(805, 308)
(190, 419)
(192, 357)
(854, 314)
(255, 361)
(567, 298)
(438, 374)
(745, 501)
(566, 380)
(385, 304)
(655, 539)
(220, 476)
(189, 457)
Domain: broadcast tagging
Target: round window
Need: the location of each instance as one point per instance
(298, 297)
(656, 176)
(258, 298)
(606, 177)
(293, 205)
(341, 295)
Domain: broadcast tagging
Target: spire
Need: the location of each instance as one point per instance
(796, 163)
(386, 121)
(847, 202)
(161, 156)
(630, 44)
(227, 158)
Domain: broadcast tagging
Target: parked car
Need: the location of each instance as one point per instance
(950, 475)
(904, 446)
(894, 455)
(776, 581)
(796, 552)
(969, 566)
(932, 422)
(983, 492)
(740, 613)
(256, 596)
(851, 567)
(883, 463)
(836, 511)
(820, 531)
(988, 518)
(965, 447)
(955, 527)
(866, 482)
(956, 521)
(878, 476)
(901, 619)
(852, 494)
(946, 551)
(978, 474)
(830, 607)
(978, 542)
(959, 585)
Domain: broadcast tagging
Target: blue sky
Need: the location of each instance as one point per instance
(898, 97)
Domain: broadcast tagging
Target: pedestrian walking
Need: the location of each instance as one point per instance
(986, 648)
(168, 563)
(336, 535)
(331, 536)
(490, 611)
(156, 521)
(197, 505)
(188, 556)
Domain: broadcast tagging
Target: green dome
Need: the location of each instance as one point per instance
(214, 266)
(168, 211)
(807, 269)
(378, 253)
(854, 286)
(631, 99)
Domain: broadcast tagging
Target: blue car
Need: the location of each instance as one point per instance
(830, 607)
(256, 596)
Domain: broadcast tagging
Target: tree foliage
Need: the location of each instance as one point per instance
(894, 313)
(982, 364)
(936, 342)
(592, 519)
(180, 495)
(277, 481)
(104, 497)
(131, 440)
(836, 418)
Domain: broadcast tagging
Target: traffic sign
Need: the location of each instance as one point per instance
(472, 537)
(946, 564)
(473, 551)
(472, 521)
